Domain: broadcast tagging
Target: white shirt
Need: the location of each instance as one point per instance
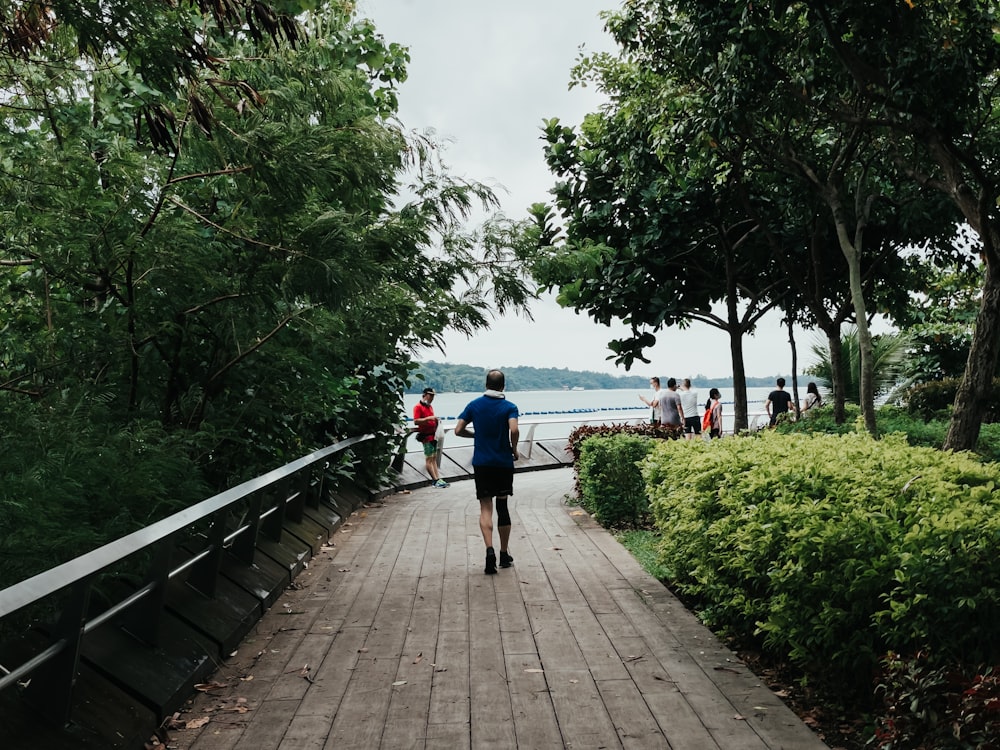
(689, 402)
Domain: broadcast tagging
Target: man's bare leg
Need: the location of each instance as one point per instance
(486, 527)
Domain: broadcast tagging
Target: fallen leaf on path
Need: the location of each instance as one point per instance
(535, 671)
(197, 723)
(419, 658)
(397, 683)
(204, 687)
(557, 549)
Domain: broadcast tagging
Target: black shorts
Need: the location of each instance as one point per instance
(692, 424)
(493, 481)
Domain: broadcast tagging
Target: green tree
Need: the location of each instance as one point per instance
(654, 235)
(889, 353)
(231, 268)
(927, 73)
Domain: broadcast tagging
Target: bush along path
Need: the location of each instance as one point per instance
(866, 567)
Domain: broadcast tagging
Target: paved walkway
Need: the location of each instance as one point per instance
(394, 638)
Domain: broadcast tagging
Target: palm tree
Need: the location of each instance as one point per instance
(888, 354)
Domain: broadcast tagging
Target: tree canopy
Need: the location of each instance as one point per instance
(773, 137)
(218, 250)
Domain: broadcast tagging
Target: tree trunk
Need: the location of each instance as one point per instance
(973, 392)
(837, 378)
(795, 365)
(852, 253)
(739, 380)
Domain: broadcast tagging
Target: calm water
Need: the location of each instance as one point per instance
(557, 412)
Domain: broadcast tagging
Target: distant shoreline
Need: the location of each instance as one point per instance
(450, 378)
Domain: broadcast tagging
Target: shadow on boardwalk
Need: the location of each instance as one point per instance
(394, 638)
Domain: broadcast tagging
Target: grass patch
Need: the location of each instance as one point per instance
(643, 544)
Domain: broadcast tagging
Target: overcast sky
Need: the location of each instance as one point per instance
(484, 76)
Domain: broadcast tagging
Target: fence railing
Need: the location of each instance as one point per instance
(529, 426)
(263, 504)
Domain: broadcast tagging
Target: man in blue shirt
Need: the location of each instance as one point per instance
(494, 452)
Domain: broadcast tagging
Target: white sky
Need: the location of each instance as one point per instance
(484, 76)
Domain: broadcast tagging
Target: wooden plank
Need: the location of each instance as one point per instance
(306, 733)
(554, 638)
(268, 726)
(634, 723)
(515, 628)
(383, 605)
(490, 709)
(333, 675)
(447, 737)
(535, 722)
(407, 715)
(450, 685)
(582, 715)
(730, 724)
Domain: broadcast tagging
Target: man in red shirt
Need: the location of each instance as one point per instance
(427, 424)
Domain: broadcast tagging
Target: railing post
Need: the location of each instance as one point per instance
(296, 501)
(50, 688)
(530, 440)
(274, 520)
(245, 545)
(144, 621)
(205, 574)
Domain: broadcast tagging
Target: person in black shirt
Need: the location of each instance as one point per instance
(778, 401)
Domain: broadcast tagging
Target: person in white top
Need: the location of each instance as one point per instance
(653, 403)
(689, 404)
(812, 399)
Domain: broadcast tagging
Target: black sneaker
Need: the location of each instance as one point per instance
(506, 560)
(491, 562)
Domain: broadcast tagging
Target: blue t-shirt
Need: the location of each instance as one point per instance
(489, 419)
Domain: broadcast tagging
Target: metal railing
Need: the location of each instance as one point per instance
(281, 494)
(758, 420)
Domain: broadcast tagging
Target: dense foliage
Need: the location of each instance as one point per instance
(942, 707)
(834, 549)
(823, 157)
(611, 486)
(207, 268)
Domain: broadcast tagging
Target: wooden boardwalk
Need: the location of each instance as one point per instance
(394, 638)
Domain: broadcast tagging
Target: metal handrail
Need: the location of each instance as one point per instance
(447, 425)
(78, 574)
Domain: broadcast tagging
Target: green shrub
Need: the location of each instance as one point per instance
(584, 431)
(834, 549)
(933, 400)
(932, 706)
(611, 485)
(919, 432)
(821, 420)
